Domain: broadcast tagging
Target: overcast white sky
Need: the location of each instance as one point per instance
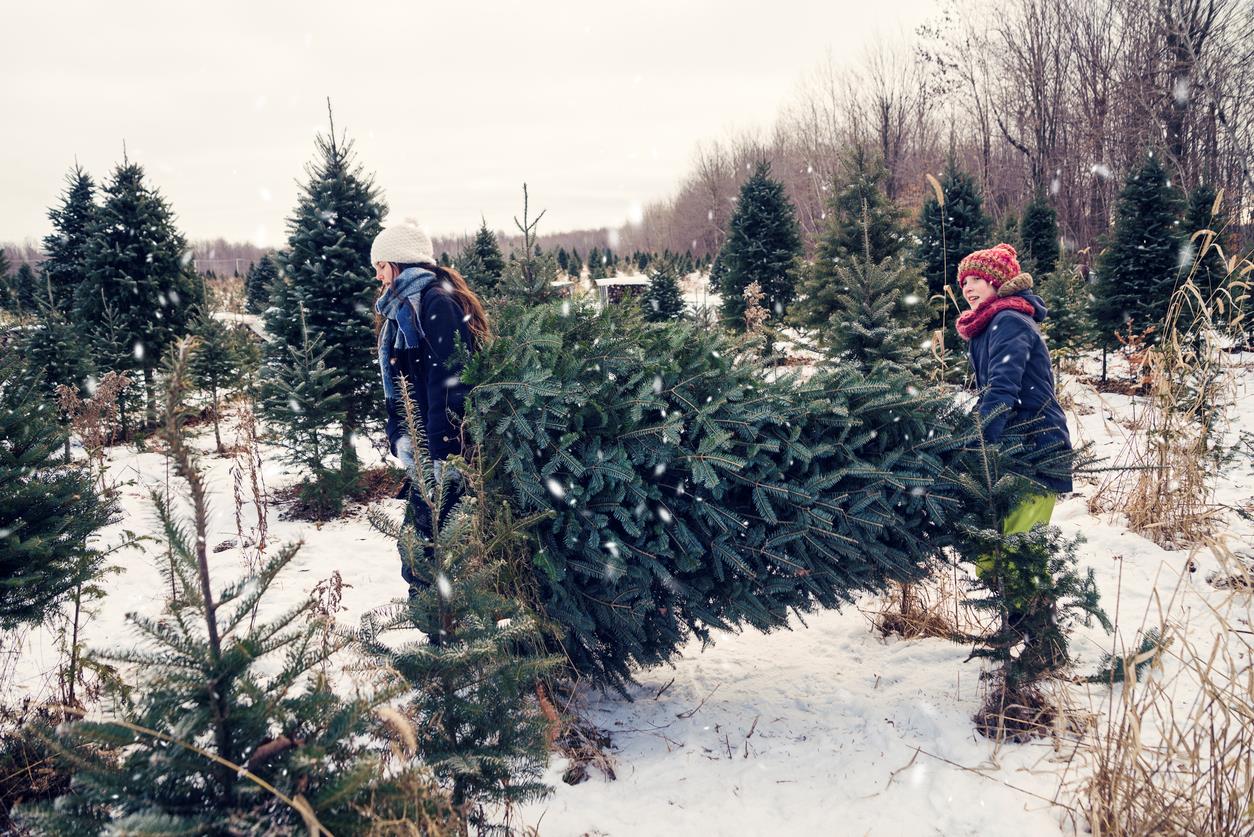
(451, 105)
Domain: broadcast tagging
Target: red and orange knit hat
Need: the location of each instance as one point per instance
(997, 265)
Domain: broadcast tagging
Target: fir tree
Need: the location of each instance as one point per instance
(596, 265)
(327, 264)
(257, 285)
(67, 246)
(481, 263)
(662, 300)
(27, 285)
(1205, 213)
(49, 509)
(763, 246)
(1032, 581)
(1069, 328)
(1137, 272)
(1038, 237)
(871, 228)
(858, 202)
(60, 354)
(445, 259)
(231, 729)
(692, 491)
(216, 364)
(950, 231)
(481, 654)
(137, 291)
(879, 316)
(302, 396)
(529, 280)
(563, 259)
(575, 266)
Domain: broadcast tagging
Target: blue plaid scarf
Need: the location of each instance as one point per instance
(400, 331)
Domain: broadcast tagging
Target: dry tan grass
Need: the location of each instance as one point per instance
(1164, 479)
(931, 608)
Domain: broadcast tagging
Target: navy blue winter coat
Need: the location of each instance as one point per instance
(1012, 368)
(433, 375)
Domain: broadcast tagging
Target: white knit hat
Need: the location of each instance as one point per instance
(403, 243)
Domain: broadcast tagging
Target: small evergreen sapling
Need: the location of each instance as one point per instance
(481, 655)
(216, 365)
(231, 729)
(1033, 586)
(482, 264)
(49, 509)
(1038, 237)
(302, 397)
(257, 285)
(529, 279)
(763, 245)
(663, 300)
(1070, 328)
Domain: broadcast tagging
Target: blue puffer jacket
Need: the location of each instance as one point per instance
(439, 393)
(1012, 368)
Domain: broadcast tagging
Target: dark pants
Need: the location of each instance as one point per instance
(418, 515)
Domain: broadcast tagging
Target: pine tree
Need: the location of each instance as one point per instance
(879, 316)
(596, 265)
(563, 259)
(692, 491)
(232, 727)
(763, 245)
(1038, 237)
(948, 233)
(859, 218)
(575, 267)
(445, 259)
(1205, 213)
(1137, 272)
(26, 286)
(481, 263)
(257, 285)
(216, 364)
(1031, 580)
(302, 397)
(137, 291)
(327, 264)
(67, 246)
(49, 509)
(1069, 297)
(61, 355)
(663, 300)
(858, 201)
(481, 654)
(529, 280)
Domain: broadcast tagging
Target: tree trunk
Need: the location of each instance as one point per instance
(150, 394)
(217, 436)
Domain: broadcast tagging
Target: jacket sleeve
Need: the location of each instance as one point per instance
(443, 323)
(396, 428)
(1011, 342)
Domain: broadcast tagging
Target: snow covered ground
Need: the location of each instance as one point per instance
(826, 728)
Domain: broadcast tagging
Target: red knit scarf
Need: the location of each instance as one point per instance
(972, 323)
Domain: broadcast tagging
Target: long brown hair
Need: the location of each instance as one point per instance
(467, 300)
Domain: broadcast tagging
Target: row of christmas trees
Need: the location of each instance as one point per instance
(670, 485)
(897, 281)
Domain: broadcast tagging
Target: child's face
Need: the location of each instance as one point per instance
(976, 290)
